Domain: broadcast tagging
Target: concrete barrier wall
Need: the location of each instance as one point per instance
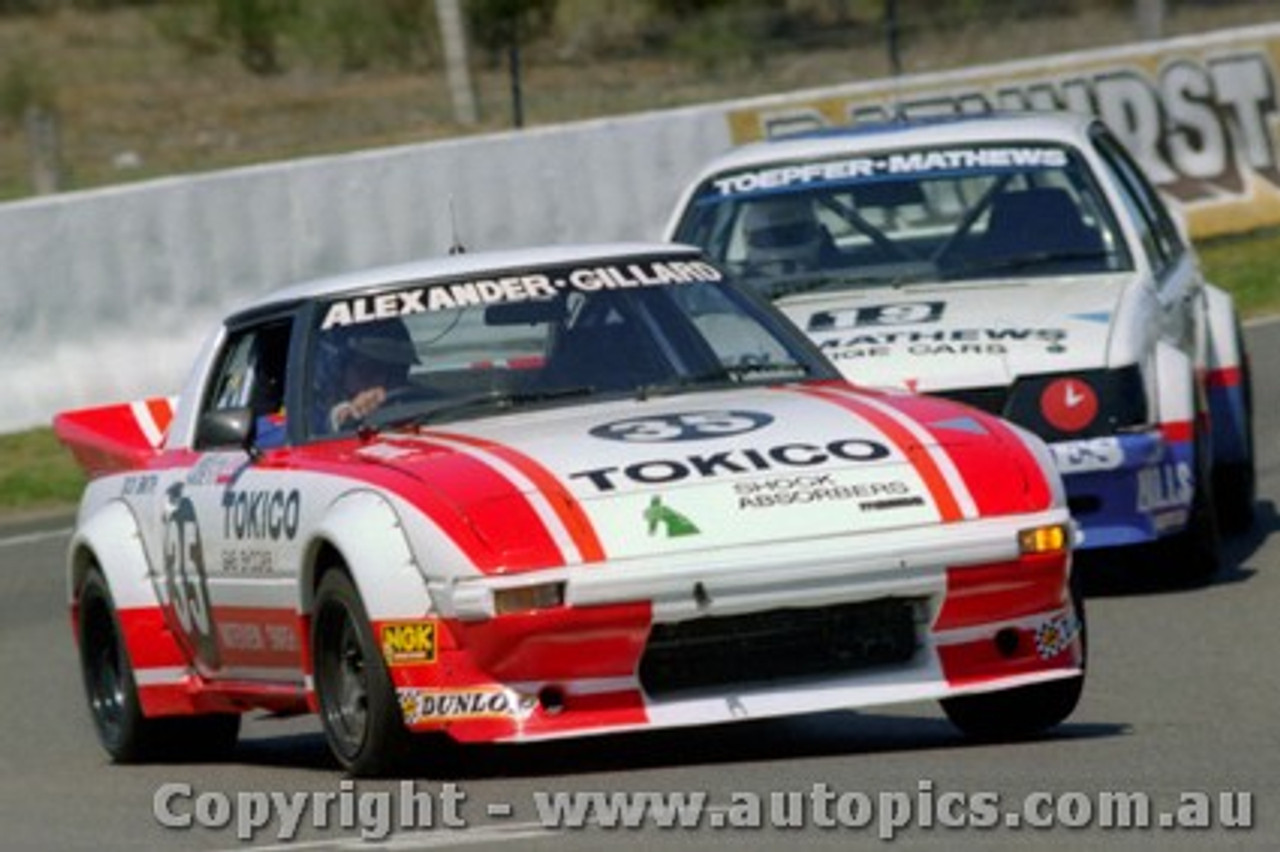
(106, 295)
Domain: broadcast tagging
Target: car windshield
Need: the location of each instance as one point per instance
(520, 339)
(903, 217)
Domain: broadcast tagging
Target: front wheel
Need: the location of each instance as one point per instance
(111, 689)
(1235, 484)
(1015, 713)
(1194, 553)
(1027, 710)
(358, 706)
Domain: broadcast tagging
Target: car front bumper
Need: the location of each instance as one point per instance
(644, 647)
(1128, 489)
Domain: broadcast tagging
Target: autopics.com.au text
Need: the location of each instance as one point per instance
(414, 806)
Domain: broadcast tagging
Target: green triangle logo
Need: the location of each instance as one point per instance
(660, 515)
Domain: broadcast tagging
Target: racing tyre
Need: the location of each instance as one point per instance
(1193, 554)
(1028, 710)
(111, 689)
(358, 706)
(1235, 484)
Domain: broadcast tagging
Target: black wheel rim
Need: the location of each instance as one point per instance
(343, 680)
(104, 671)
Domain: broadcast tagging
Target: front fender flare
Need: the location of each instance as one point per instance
(1177, 400)
(365, 531)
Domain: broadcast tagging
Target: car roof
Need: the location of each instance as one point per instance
(1059, 126)
(462, 265)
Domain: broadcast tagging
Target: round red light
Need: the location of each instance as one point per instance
(1069, 405)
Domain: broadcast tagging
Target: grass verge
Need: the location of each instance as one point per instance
(37, 473)
(1246, 265)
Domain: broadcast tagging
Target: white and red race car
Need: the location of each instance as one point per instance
(1023, 264)
(604, 490)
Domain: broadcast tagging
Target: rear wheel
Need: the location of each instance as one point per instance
(1027, 710)
(358, 706)
(111, 689)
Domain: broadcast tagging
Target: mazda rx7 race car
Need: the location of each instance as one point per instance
(1022, 264)
(604, 490)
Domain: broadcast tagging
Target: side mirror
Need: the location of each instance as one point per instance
(227, 428)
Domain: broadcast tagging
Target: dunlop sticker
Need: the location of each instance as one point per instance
(451, 705)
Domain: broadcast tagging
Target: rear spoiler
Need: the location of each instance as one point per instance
(118, 437)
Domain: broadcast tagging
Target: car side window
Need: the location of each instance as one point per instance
(1160, 237)
(251, 374)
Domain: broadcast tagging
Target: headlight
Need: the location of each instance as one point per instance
(527, 598)
(1087, 404)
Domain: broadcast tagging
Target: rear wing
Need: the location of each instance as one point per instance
(118, 437)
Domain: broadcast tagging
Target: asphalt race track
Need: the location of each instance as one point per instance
(1182, 705)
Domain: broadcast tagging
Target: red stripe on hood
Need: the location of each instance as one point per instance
(482, 512)
(495, 505)
(900, 437)
(566, 507)
(984, 465)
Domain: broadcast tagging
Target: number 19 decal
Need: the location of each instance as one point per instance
(894, 313)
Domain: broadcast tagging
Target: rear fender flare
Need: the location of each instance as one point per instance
(1226, 377)
(111, 541)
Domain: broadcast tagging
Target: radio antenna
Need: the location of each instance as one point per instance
(455, 245)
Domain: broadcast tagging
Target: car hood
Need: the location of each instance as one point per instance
(709, 470)
(931, 337)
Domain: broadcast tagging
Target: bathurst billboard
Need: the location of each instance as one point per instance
(1199, 114)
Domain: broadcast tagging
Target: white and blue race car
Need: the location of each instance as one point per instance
(1024, 265)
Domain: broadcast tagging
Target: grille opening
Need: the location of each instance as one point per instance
(1085, 505)
(778, 644)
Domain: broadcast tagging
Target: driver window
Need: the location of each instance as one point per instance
(232, 384)
(1160, 240)
(251, 373)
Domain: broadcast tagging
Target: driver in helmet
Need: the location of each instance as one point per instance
(783, 236)
(357, 367)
